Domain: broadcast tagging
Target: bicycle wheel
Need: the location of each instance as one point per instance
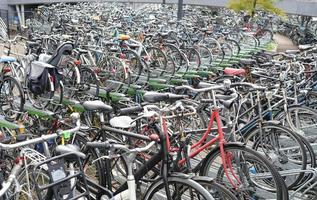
(170, 68)
(205, 54)
(251, 174)
(71, 80)
(227, 50)
(234, 45)
(179, 189)
(112, 69)
(133, 60)
(218, 191)
(303, 120)
(41, 101)
(28, 188)
(193, 57)
(89, 84)
(264, 35)
(12, 98)
(282, 147)
(180, 61)
(157, 60)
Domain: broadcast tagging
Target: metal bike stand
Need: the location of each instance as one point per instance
(312, 179)
(293, 195)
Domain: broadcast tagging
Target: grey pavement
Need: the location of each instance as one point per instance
(284, 43)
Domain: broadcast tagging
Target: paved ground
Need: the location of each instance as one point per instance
(284, 43)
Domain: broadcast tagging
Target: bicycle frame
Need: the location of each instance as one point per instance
(215, 116)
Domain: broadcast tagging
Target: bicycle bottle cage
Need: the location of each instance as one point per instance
(62, 50)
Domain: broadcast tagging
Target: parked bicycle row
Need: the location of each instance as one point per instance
(301, 29)
(158, 109)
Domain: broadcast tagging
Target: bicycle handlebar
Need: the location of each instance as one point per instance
(254, 86)
(74, 116)
(109, 146)
(206, 89)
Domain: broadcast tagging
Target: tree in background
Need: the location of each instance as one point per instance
(250, 6)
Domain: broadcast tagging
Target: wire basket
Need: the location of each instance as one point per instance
(32, 156)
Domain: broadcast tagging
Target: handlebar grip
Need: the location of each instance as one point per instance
(153, 97)
(105, 145)
(126, 111)
(174, 97)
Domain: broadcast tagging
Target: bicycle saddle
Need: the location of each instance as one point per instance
(195, 39)
(31, 44)
(305, 47)
(22, 137)
(97, 105)
(148, 35)
(70, 148)
(292, 51)
(226, 103)
(247, 61)
(122, 122)
(7, 59)
(124, 37)
(233, 71)
(39, 64)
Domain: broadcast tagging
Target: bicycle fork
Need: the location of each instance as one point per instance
(225, 157)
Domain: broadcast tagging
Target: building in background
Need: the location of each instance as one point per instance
(15, 12)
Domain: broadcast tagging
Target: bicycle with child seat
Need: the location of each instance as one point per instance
(41, 176)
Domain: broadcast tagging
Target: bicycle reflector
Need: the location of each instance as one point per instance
(77, 62)
(6, 69)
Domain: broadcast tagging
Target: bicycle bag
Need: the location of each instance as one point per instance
(37, 81)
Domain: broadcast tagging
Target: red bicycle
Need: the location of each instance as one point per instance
(239, 168)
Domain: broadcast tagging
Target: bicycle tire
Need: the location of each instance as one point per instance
(112, 68)
(181, 183)
(71, 77)
(194, 58)
(48, 194)
(278, 189)
(205, 54)
(14, 85)
(133, 60)
(304, 111)
(87, 84)
(218, 191)
(262, 142)
(158, 57)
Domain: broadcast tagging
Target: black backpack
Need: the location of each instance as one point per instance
(37, 81)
